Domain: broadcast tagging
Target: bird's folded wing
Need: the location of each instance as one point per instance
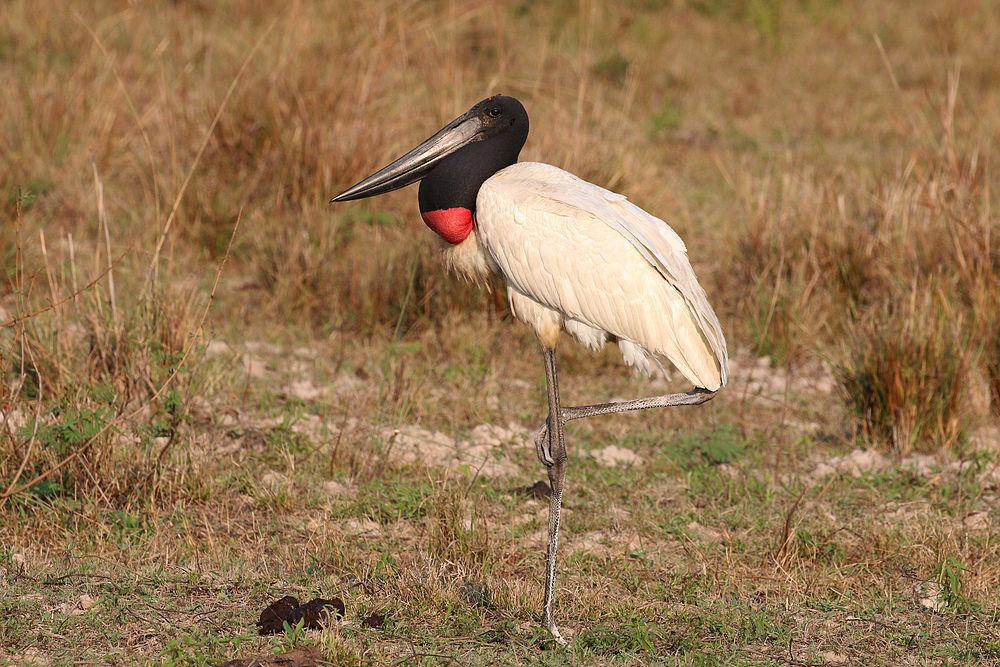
(655, 240)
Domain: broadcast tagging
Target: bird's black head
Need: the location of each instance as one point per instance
(502, 116)
(453, 164)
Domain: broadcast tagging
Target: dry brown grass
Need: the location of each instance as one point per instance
(96, 377)
(907, 378)
(831, 258)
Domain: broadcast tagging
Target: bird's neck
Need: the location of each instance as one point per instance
(448, 194)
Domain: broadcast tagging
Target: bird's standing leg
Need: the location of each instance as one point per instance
(553, 455)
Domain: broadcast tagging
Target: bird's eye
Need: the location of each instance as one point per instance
(494, 112)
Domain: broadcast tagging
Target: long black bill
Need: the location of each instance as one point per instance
(416, 164)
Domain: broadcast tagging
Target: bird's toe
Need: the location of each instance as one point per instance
(542, 445)
(556, 635)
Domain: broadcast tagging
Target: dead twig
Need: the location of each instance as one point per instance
(786, 533)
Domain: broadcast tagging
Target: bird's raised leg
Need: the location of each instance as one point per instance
(694, 397)
(552, 452)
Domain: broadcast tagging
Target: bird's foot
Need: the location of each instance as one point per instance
(556, 636)
(543, 446)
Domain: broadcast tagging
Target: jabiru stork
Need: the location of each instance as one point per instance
(574, 257)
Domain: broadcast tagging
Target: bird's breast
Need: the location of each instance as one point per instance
(468, 260)
(451, 224)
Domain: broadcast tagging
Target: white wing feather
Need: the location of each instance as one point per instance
(535, 202)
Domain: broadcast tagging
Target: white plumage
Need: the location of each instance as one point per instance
(584, 259)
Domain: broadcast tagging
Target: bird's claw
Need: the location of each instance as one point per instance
(542, 445)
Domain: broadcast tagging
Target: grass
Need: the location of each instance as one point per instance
(203, 364)
(908, 376)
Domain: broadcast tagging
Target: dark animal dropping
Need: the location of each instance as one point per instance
(288, 610)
